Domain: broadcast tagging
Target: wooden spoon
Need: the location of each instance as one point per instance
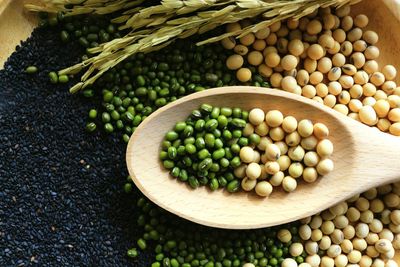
(363, 156)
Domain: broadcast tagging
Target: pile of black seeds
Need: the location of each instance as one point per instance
(61, 197)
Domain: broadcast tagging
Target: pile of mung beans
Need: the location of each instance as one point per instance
(177, 242)
(327, 56)
(142, 83)
(283, 151)
(204, 149)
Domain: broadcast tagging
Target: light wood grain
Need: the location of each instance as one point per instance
(15, 25)
(361, 162)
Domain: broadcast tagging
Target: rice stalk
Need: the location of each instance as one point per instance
(154, 27)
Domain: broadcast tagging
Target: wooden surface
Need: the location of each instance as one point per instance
(360, 158)
(15, 25)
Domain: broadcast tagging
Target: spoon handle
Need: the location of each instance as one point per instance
(377, 156)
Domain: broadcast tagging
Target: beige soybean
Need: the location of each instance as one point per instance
(271, 39)
(355, 105)
(389, 87)
(259, 45)
(369, 89)
(346, 81)
(357, 59)
(383, 245)
(255, 58)
(354, 35)
(328, 21)
(335, 88)
(272, 59)
(371, 66)
(246, 154)
(324, 65)
(264, 189)
(394, 115)
(361, 21)
(390, 72)
(339, 35)
(248, 184)
(265, 71)
(315, 51)
(295, 169)
(344, 97)
(384, 125)
(346, 48)
(276, 79)
(325, 166)
(289, 124)
(228, 43)
(380, 94)
(361, 77)
(326, 41)
(288, 83)
(256, 116)
(302, 77)
(349, 232)
(321, 90)
(334, 74)
(289, 184)
(325, 148)
(370, 37)
(243, 75)
(310, 65)
(262, 129)
(248, 39)
(277, 178)
(395, 129)
(371, 53)
(296, 153)
(284, 235)
(248, 129)
(284, 162)
(349, 69)
(316, 77)
(305, 128)
(253, 170)
(271, 167)
(311, 158)
(293, 139)
(240, 172)
(369, 101)
(309, 143)
(382, 108)
(316, 235)
(310, 174)
(283, 147)
(346, 23)
(241, 50)
(274, 118)
(233, 27)
(368, 115)
(335, 49)
(338, 60)
(234, 62)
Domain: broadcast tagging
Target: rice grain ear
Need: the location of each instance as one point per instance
(154, 27)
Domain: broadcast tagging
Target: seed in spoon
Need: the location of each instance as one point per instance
(256, 151)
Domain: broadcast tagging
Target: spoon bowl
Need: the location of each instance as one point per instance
(363, 157)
